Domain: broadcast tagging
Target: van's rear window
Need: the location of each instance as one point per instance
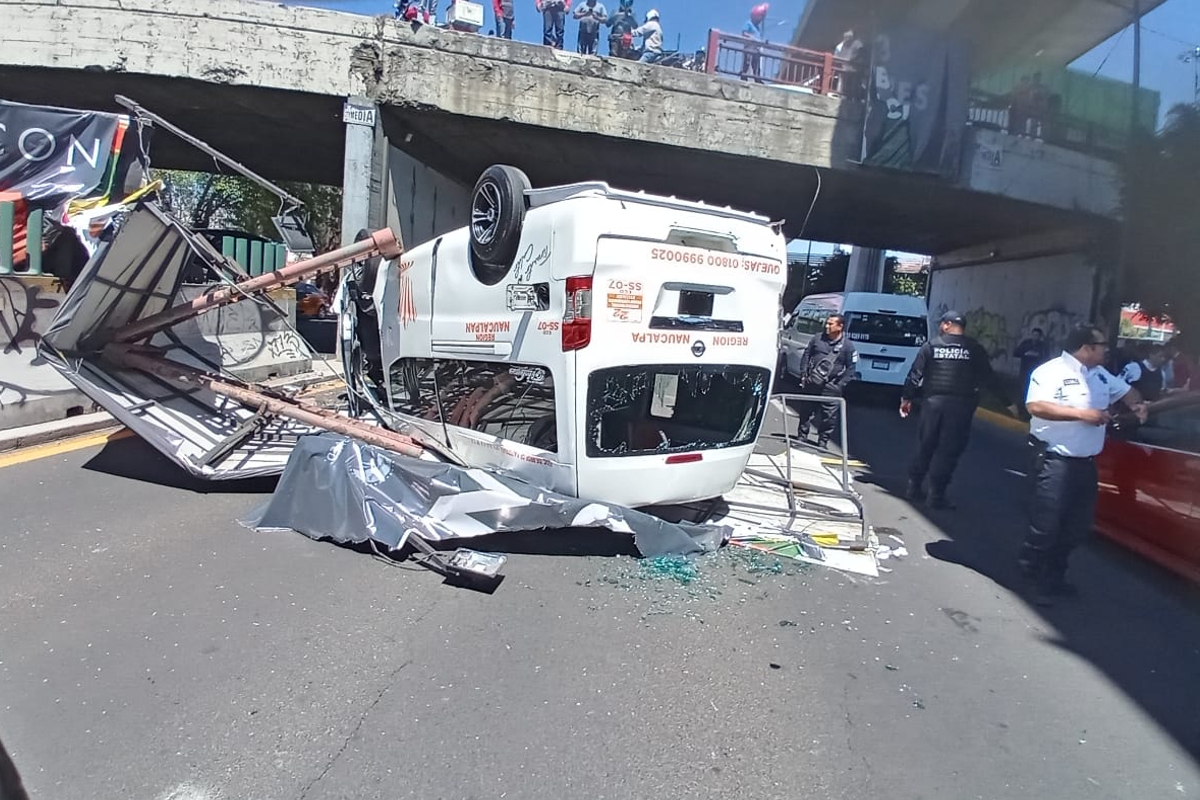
(673, 408)
(893, 329)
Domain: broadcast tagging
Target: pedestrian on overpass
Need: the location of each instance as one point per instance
(506, 14)
(949, 372)
(554, 21)
(1069, 398)
(652, 38)
(827, 366)
(591, 15)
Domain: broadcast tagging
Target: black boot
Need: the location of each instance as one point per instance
(914, 491)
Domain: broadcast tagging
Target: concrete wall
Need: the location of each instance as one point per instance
(250, 341)
(1004, 301)
(31, 391)
(421, 202)
(1025, 169)
(323, 52)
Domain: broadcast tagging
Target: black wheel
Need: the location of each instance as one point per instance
(497, 214)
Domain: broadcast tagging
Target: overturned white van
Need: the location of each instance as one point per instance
(601, 343)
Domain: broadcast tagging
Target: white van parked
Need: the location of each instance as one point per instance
(886, 329)
(604, 344)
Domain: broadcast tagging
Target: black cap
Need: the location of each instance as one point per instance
(954, 318)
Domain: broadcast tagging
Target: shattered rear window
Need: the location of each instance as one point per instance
(673, 408)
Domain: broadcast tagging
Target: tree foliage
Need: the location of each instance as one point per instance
(1159, 201)
(209, 200)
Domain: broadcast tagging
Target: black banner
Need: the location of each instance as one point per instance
(51, 155)
(917, 102)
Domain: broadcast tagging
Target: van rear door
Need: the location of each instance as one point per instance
(683, 345)
(887, 342)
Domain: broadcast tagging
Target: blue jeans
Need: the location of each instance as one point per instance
(649, 58)
(505, 27)
(554, 21)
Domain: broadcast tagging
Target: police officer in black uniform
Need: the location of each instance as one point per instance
(827, 366)
(949, 372)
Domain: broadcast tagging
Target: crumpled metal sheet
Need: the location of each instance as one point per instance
(341, 489)
(137, 274)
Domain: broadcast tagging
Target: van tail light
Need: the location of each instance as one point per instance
(685, 458)
(577, 320)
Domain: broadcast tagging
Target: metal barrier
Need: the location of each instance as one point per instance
(995, 112)
(764, 62)
(32, 245)
(255, 256)
(802, 509)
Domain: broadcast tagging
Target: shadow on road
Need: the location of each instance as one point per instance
(1134, 622)
(132, 458)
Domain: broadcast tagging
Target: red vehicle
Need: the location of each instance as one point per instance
(1150, 486)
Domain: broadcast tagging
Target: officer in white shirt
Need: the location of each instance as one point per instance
(1068, 398)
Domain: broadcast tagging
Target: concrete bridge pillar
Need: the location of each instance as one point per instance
(865, 273)
(361, 118)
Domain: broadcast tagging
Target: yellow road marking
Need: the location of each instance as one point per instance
(850, 463)
(27, 454)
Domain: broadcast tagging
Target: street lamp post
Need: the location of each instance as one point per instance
(1193, 57)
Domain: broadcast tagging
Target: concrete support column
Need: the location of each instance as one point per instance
(865, 273)
(361, 117)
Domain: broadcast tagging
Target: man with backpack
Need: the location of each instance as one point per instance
(591, 15)
(827, 365)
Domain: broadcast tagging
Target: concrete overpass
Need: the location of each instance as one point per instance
(1055, 32)
(265, 83)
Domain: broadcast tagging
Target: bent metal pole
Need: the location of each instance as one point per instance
(381, 242)
(132, 357)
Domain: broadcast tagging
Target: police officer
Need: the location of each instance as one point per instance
(1069, 398)
(949, 371)
(827, 365)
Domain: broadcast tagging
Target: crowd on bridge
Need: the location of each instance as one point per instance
(629, 35)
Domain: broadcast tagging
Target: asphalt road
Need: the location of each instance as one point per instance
(150, 647)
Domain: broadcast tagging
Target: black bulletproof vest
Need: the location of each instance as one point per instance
(951, 368)
(1150, 385)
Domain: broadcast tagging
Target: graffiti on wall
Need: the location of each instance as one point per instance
(26, 308)
(1055, 322)
(990, 330)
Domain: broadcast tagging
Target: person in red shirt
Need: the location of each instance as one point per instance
(505, 16)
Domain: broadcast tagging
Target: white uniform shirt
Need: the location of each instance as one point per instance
(1066, 382)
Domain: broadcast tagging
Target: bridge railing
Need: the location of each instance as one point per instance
(764, 62)
(996, 112)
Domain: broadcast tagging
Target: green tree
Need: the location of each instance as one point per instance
(1159, 198)
(208, 200)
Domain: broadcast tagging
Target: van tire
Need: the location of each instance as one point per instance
(497, 215)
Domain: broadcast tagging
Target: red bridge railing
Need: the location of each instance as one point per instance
(763, 62)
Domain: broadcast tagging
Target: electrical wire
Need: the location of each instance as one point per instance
(812, 205)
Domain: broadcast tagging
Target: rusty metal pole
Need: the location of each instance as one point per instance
(131, 357)
(382, 242)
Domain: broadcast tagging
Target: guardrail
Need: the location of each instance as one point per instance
(9, 244)
(254, 256)
(763, 62)
(995, 112)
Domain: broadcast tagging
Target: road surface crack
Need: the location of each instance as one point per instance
(850, 743)
(357, 727)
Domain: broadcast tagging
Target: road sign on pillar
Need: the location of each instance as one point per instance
(356, 114)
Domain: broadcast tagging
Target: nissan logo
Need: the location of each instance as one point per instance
(697, 348)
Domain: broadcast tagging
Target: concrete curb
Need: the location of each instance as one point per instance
(1002, 420)
(55, 430)
(32, 435)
